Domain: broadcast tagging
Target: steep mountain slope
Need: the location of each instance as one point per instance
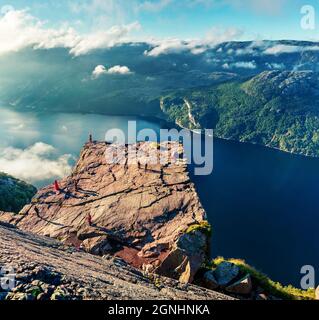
(14, 193)
(45, 269)
(276, 109)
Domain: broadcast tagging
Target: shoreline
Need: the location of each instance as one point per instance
(160, 121)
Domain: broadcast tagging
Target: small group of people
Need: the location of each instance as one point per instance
(139, 165)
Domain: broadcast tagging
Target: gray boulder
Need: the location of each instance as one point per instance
(226, 272)
(210, 281)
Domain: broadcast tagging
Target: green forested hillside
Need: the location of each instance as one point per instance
(14, 194)
(276, 109)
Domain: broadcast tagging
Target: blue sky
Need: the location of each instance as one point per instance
(184, 19)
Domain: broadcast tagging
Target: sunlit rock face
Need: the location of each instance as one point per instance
(137, 211)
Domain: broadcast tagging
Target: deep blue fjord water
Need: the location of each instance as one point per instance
(264, 207)
(263, 203)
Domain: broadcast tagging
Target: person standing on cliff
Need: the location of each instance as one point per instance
(76, 185)
(89, 219)
(37, 211)
(56, 187)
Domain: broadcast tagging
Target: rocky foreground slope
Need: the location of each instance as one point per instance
(46, 269)
(149, 215)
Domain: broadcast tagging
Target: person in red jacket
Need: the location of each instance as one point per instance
(56, 186)
(89, 219)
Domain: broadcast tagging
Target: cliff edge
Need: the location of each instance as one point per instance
(147, 214)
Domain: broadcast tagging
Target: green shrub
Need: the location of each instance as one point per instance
(204, 227)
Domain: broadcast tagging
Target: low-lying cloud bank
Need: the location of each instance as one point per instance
(196, 46)
(241, 65)
(37, 163)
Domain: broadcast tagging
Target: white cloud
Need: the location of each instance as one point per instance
(19, 29)
(218, 35)
(213, 37)
(282, 48)
(266, 47)
(119, 70)
(103, 39)
(245, 64)
(100, 70)
(37, 163)
(240, 64)
(167, 46)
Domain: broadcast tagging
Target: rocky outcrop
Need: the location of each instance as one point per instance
(45, 269)
(225, 273)
(236, 278)
(140, 212)
(229, 278)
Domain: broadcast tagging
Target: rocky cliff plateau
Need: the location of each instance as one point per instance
(147, 214)
(125, 230)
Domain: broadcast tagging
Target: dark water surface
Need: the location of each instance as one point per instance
(264, 207)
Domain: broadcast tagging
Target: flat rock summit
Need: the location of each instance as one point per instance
(149, 215)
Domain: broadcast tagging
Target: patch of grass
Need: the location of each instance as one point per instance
(274, 288)
(204, 227)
